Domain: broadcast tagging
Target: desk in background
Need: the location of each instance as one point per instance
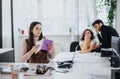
(6, 55)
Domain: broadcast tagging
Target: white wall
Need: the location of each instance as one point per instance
(54, 15)
(118, 16)
(6, 24)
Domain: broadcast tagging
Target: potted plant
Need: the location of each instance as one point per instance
(112, 9)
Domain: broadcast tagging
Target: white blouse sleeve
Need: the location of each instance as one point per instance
(80, 43)
(93, 42)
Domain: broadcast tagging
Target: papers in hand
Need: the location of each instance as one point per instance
(39, 44)
(43, 44)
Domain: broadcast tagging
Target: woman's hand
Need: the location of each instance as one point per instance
(96, 46)
(52, 50)
(51, 47)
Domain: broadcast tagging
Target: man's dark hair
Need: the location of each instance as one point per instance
(98, 21)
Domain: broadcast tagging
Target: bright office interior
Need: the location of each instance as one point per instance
(63, 20)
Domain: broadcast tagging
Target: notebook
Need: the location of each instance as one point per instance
(43, 44)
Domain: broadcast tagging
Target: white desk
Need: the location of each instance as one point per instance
(86, 66)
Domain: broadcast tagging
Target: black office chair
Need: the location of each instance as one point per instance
(73, 46)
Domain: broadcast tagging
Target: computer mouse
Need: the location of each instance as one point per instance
(66, 65)
(51, 68)
(24, 69)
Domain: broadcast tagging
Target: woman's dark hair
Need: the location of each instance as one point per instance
(98, 21)
(30, 38)
(83, 35)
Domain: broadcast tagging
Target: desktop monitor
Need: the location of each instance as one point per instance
(115, 59)
(116, 45)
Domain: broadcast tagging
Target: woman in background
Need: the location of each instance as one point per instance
(87, 42)
(29, 48)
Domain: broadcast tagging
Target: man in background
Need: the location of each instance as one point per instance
(104, 33)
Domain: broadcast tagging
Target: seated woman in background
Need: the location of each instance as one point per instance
(87, 42)
(29, 48)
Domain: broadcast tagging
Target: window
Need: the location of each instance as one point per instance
(57, 16)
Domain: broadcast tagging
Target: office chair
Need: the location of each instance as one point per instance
(73, 46)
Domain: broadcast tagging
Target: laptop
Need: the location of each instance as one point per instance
(68, 63)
